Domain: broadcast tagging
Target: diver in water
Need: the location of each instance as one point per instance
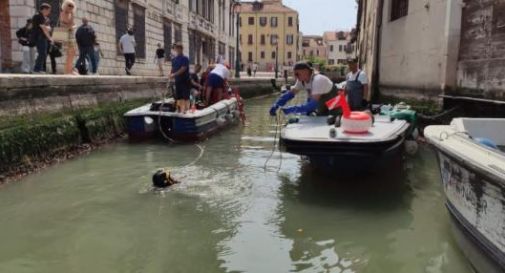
(162, 179)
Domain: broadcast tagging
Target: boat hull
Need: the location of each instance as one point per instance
(343, 153)
(143, 124)
(347, 157)
(476, 202)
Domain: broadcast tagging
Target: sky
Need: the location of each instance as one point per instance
(317, 16)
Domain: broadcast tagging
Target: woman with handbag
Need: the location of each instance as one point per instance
(66, 31)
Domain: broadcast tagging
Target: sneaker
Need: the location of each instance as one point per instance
(127, 71)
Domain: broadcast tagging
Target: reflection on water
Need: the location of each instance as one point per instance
(98, 213)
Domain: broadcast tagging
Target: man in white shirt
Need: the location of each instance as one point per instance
(319, 89)
(127, 48)
(217, 81)
(356, 86)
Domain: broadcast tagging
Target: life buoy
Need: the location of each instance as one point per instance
(356, 122)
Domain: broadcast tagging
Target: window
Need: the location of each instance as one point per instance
(331, 62)
(273, 54)
(290, 55)
(139, 25)
(273, 22)
(177, 33)
(167, 38)
(262, 39)
(231, 53)
(263, 21)
(250, 39)
(399, 9)
(251, 21)
(289, 39)
(250, 57)
(290, 21)
(331, 48)
(262, 54)
(240, 21)
(221, 49)
(192, 5)
(312, 53)
(121, 14)
(55, 12)
(274, 39)
(317, 52)
(340, 48)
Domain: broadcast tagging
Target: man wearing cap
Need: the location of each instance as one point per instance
(356, 86)
(180, 72)
(319, 88)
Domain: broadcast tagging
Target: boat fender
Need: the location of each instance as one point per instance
(293, 120)
(331, 120)
(338, 121)
(221, 121)
(486, 142)
(228, 117)
(411, 147)
(333, 133)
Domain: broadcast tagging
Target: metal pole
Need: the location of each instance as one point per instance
(276, 60)
(237, 49)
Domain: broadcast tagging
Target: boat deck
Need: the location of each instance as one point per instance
(315, 129)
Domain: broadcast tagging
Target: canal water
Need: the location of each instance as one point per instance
(230, 214)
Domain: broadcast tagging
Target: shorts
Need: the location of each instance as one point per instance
(161, 61)
(182, 91)
(215, 81)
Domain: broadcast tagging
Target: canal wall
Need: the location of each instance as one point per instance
(22, 95)
(48, 119)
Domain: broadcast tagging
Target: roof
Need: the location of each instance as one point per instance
(335, 35)
(266, 6)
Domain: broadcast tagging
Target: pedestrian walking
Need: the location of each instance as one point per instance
(255, 69)
(54, 51)
(40, 36)
(180, 72)
(98, 54)
(28, 48)
(159, 58)
(86, 38)
(127, 48)
(67, 22)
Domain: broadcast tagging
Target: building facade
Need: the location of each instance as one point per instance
(269, 33)
(338, 47)
(425, 49)
(205, 27)
(313, 46)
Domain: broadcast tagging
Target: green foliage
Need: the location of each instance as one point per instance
(316, 61)
(35, 138)
(427, 107)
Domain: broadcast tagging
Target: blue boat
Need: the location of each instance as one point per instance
(159, 119)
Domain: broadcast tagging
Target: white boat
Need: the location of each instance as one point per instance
(472, 167)
(330, 148)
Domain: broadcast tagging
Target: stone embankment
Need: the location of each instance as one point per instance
(44, 119)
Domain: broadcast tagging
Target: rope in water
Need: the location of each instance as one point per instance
(275, 146)
(171, 140)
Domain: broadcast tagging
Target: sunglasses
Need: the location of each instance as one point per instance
(70, 5)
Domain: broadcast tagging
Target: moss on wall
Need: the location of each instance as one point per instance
(24, 140)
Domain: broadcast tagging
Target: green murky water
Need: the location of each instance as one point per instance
(97, 214)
